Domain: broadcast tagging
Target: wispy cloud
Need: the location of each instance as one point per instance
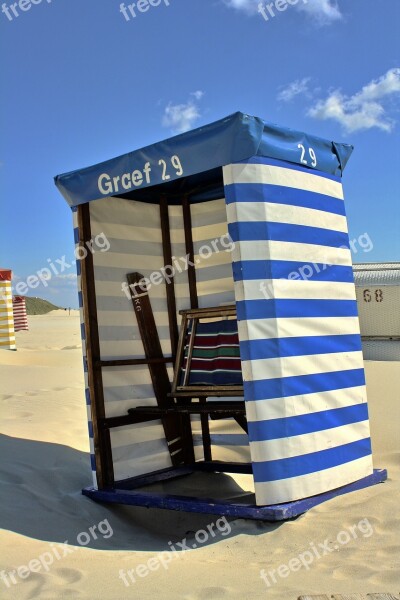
(365, 109)
(296, 88)
(68, 276)
(247, 6)
(323, 12)
(182, 117)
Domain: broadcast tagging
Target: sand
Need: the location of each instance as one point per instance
(45, 464)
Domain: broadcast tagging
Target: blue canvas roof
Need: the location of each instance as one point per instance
(198, 153)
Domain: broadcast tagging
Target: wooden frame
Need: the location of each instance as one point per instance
(101, 436)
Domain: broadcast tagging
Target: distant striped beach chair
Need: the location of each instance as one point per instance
(19, 311)
(7, 333)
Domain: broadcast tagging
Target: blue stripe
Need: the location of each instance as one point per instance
(276, 194)
(299, 346)
(285, 232)
(90, 428)
(93, 462)
(291, 308)
(230, 439)
(274, 429)
(215, 377)
(78, 267)
(290, 269)
(224, 439)
(281, 387)
(274, 470)
(76, 235)
(80, 299)
(87, 396)
(83, 336)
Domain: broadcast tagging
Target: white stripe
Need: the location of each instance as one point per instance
(260, 289)
(290, 366)
(225, 284)
(293, 406)
(133, 233)
(128, 349)
(137, 434)
(123, 469)
(267, 174)
(113, 318)
(292, 251)
(284, 213)
(115, 289)
(211, 258)
(212, 231)
(130, 262)
(260, 329)
(122, 376)
(298, 445)
(303, 486)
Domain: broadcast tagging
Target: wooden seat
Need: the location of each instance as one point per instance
(185, 397)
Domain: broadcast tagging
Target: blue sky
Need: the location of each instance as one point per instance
(82, 83)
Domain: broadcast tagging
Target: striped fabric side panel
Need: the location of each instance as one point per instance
(84, 357)
(19, 311)
(134, 235)
(300, 344)
(7, 334)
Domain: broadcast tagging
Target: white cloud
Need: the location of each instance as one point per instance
(323, 12)
(70, 276)
(198, 95)
(297, 87)
(182, 117)
(363, 110)
(247, 6)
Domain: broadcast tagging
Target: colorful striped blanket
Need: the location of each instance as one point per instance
(216, 355)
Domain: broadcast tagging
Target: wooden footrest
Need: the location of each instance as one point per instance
(211, 408)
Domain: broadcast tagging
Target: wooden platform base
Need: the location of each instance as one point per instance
(129, 492)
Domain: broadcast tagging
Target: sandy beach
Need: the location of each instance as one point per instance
(45, 465)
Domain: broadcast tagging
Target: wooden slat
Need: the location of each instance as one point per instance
(197, 408)
(170, 286)
(189, 353)
(210, 389)
(101, 437)
(210, 312)
(187, 226)
(130, 362)
(158, 370)
(179, 354)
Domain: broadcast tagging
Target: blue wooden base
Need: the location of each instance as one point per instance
(128, 492)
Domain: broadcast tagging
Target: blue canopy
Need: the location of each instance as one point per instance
(201, 151)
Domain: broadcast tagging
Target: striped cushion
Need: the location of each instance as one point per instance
(216, 356)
